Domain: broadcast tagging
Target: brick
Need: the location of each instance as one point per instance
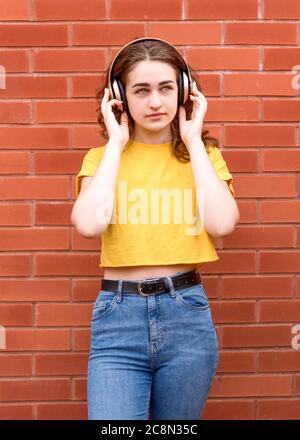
(34, 188)
(14, 10)
(36, 34)
(282, 9)
(34, 339)
(80, 243)
(281, 58)
(233, 311)
(36, 389)
(87, 136)
(37, 289)
(65, 111)
(13, 214)
(34, 137)
(16, 314)
(283, 409)
(70, 10)
(70, 60)
(281, 160)
(297, 384)
(229, 410)
(104, 34)
(40, 86)
(15, 365)
(281, 110)
(298, 287)
(260, 33)
(281, 361)
(14, 162)
(15, 113)
(233, 262)
(266, 286)
(187, 33)
(14, 60)
(258, 84)
(62, 411)
(82, 264)
(236, 361)
(259, 135)
(298, 237)
(56, 315)
(248, 211)
(260, 237)
(256, 336)
(240, 161)
(280, 211)
(81, 339)
(284, 261)
(34, 238)
(279, 311)
(85, 86)
(210, 84)
(258, 385)
(232, 110)
(80, 388)
(265, 186)
(224, 58)
(12, 266)
(45, 214)
(61, 364)
(16, 411)
(137, 10)
(218, 9)
(86, 289)
(60, 162)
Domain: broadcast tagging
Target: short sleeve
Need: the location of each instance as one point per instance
(220, 166)
(89, 165)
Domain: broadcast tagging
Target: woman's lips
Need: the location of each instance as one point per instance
(155, 116)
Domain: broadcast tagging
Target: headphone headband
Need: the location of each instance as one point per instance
(145, 39)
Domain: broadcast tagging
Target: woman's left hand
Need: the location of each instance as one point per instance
(191, 130)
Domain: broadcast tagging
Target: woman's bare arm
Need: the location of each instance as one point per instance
(88, 206)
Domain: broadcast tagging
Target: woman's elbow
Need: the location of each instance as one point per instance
(229, 228)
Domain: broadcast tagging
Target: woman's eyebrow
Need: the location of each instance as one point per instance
(147, 84)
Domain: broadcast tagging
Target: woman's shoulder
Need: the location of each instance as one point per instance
(96, 152)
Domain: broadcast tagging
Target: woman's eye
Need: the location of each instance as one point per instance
(165, 87)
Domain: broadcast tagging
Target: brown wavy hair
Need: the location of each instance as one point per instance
(153, 51)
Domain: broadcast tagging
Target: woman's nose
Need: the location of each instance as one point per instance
(154, 99)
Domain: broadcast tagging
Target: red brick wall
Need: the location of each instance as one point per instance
(54, 54)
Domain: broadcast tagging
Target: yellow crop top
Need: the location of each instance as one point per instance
(135, 237)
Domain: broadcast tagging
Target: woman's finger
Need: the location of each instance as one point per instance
(103, 103)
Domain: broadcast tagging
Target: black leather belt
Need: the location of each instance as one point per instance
(152, 286)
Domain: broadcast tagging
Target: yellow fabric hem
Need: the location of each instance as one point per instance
(163, 264)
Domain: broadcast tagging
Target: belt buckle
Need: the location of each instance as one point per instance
(142, 282)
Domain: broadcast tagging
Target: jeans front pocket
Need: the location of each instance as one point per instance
(104, 304)
(193, 297)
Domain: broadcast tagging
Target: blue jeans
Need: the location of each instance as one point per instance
(152, 357)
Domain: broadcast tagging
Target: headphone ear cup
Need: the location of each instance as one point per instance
(115, 90)
(122, 95)
(180, 89)
(186, 87)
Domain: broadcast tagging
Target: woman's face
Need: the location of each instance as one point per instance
(158, 94)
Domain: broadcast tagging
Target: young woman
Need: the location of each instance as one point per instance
(154, 347)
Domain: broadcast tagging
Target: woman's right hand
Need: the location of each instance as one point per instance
(118, 133)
